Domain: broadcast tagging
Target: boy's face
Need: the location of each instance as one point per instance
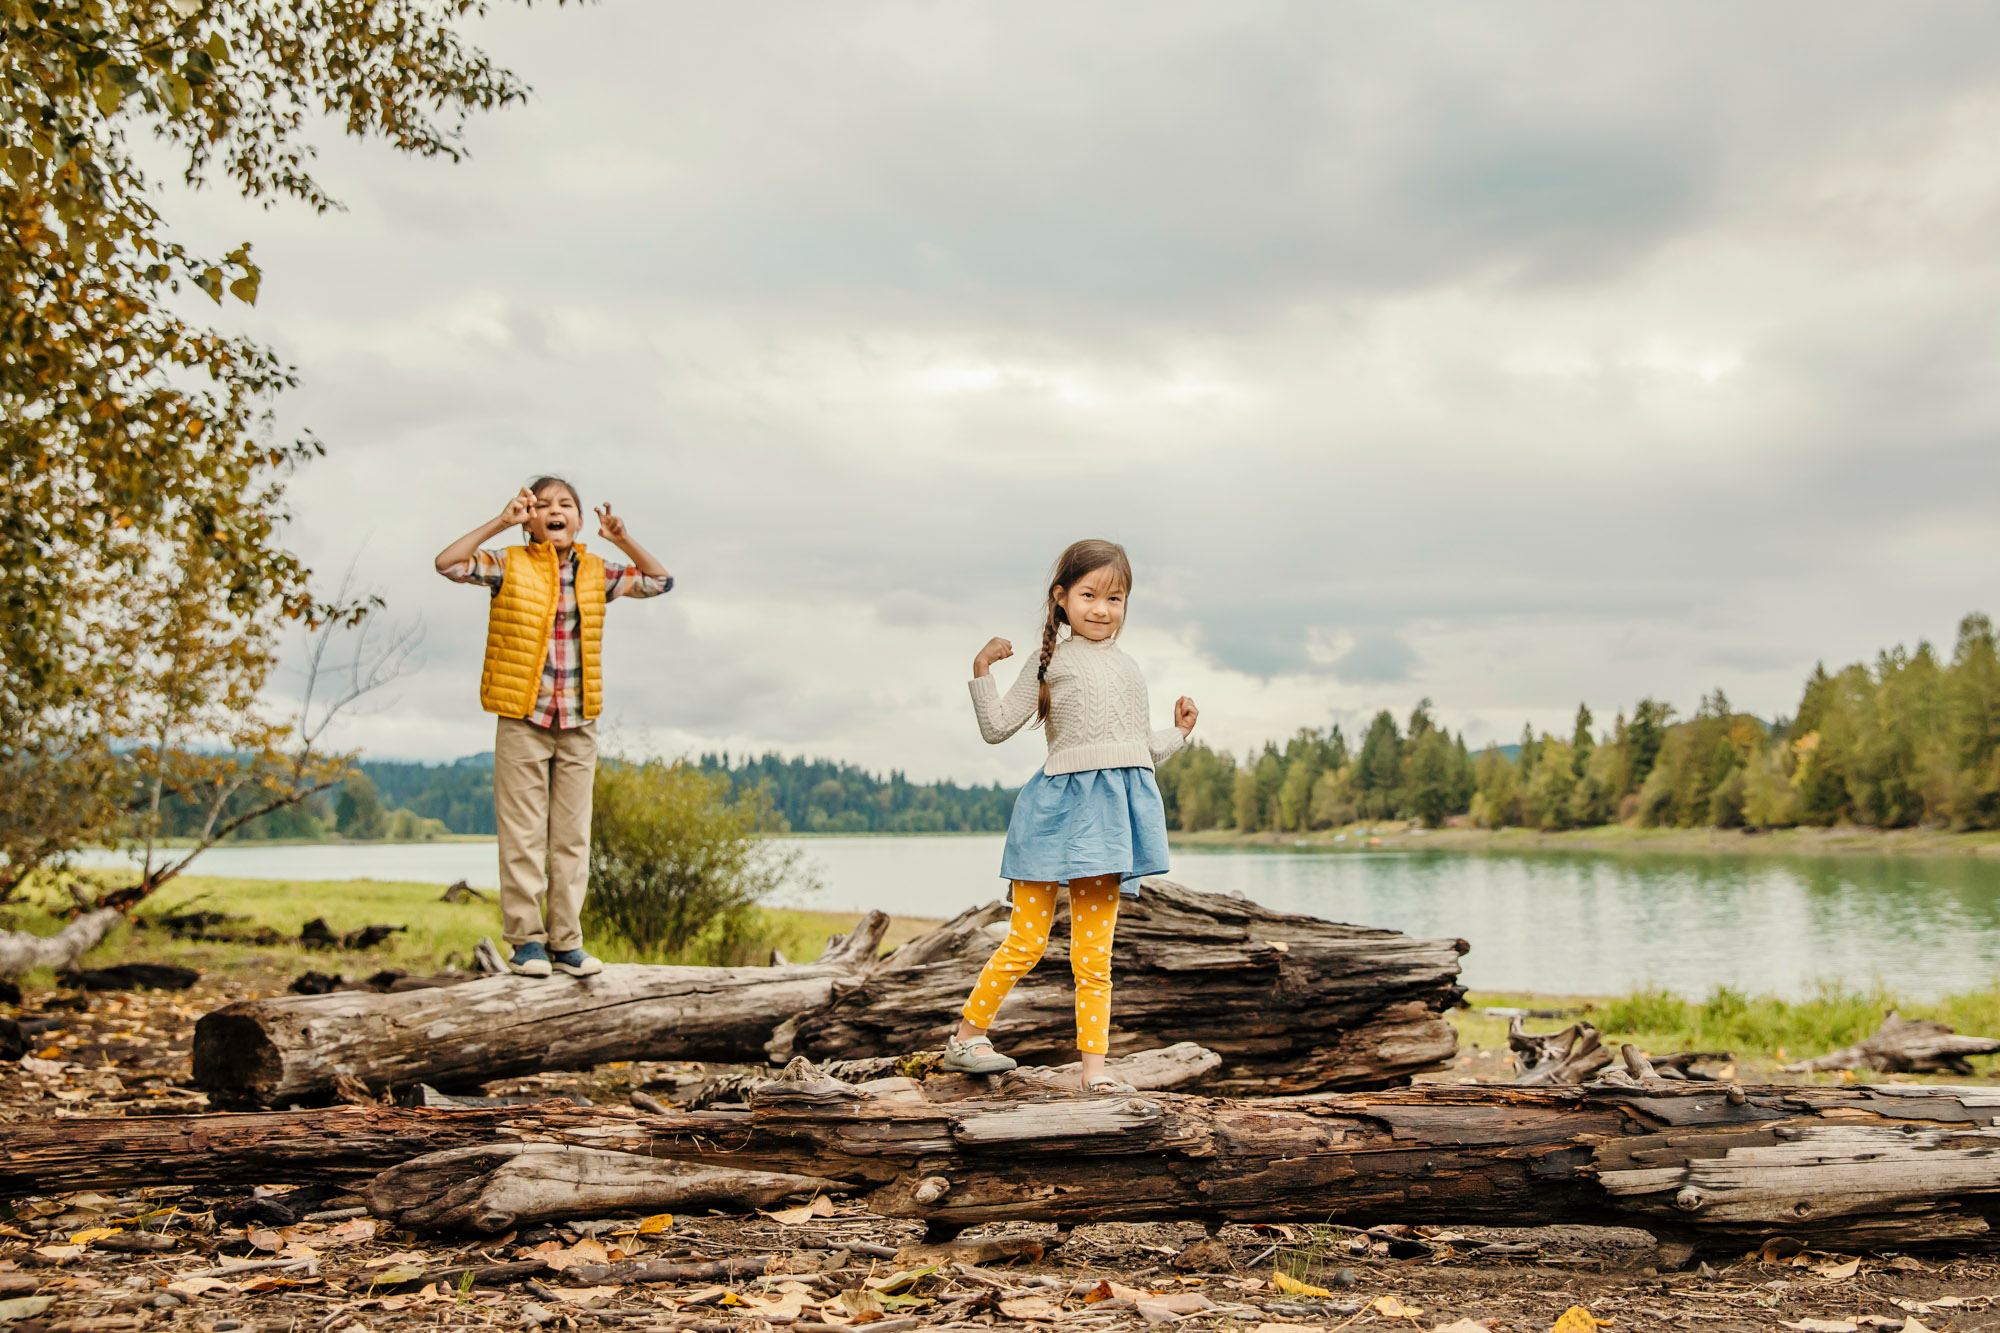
(555, 519)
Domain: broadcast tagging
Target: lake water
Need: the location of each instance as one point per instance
(1560, 923)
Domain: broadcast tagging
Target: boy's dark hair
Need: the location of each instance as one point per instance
(536, 487)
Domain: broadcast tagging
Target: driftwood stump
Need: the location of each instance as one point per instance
(1291, 1004)
(21, 952)
(1855, 1168)
(1904, 1046)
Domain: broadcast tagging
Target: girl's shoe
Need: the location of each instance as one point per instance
(974, 1055)
(530, 960)
(576, 962)
(1106, 1084)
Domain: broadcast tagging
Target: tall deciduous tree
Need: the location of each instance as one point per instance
(138, 442)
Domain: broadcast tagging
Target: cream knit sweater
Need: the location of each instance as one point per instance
(1097, 710)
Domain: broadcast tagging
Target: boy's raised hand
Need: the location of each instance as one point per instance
(608, 523)
(1185, 714)
(519, 508)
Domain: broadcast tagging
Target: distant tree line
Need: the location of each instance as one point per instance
(826, 796)
(1910, 739)
(1417, 771)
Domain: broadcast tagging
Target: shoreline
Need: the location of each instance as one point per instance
(1390, 836)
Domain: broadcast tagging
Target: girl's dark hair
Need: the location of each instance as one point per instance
(1080, 560)
(536, 487)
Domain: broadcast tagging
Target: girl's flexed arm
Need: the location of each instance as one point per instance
(1169, 739)
(1000, 716)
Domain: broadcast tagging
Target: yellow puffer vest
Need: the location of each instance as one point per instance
(520, 620)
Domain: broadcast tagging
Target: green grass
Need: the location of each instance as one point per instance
(1756, 1029)
(439, 933)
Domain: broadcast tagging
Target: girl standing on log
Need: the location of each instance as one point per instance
(543, 633)
(1091, 819)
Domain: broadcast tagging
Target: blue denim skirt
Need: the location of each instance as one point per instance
(1102, 821)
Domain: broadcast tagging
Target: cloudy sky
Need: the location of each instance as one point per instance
(1506, 355)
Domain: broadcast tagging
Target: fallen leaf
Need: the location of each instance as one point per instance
(585, 1251)
(706, 1296)
(1836, 1272)
(24, 1307)
(785, 1308)
(396, 1274)
(1286, 1328)
(1576, 1319)
(861, 1305)
(1114, 1291)
(1822, 1325)
(897, 1281)
(268, 1241)
(657, 1223)
(584, 1295)
(805, 1212)
(352, 1232)
(399, 1257)
(89, 1234)
(1390, 1307)
(295, 1249)
(1286, 1282)
(59, 1254)
(199, 1286)
(1031, 1307)
(1915, 1325)
(1463, 1326)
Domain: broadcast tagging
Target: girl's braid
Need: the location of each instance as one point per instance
(1042, 670)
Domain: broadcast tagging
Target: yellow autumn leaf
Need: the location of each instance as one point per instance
(731, 1298)
(1576, 1319)
(89, 1234)
(1286, 1282)
(657, 1223)
(1391, 1307)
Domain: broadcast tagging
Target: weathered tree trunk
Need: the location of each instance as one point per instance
(21, 952)
(1905, 1046)
(1843, 1168)
(1292, 1004)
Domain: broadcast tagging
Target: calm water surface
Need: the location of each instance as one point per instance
(1564, 923)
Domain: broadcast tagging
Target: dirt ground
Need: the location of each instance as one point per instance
(157, 1258)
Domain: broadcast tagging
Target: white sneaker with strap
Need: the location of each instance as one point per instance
(974, 1055)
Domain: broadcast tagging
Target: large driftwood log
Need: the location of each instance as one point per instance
(1292, 1004)
(21, 952)
(1904, 1046)
(1844, 1168)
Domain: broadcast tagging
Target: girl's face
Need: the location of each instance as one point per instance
(1095, 604)
(556, 518)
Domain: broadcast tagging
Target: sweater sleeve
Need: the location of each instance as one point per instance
(1164, 742)
(1000, 716)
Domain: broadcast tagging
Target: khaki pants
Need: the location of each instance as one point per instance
(541, 804)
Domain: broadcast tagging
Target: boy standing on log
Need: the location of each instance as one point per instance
(543, 634)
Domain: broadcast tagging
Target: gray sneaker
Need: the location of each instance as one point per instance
(575, 962)
(974, 1055)
(530, 960)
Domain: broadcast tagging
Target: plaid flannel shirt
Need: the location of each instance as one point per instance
(560, 702)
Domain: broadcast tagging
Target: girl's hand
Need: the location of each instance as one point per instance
(519, 508)
(609, 524)
(994, 651)
(1185, 714)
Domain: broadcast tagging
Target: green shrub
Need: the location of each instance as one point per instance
(677, 868)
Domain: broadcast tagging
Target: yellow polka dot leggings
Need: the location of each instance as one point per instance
(1093, 919)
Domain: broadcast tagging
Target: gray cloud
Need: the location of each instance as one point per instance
(1505, 357)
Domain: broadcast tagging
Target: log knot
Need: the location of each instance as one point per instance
(1689, 1200)
(930, 1189)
